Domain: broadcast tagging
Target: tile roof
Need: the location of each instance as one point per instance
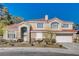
(50, 20)
(15, 26)
(57, 30)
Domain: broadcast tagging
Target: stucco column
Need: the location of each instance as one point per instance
(5, 35)
(74, 37)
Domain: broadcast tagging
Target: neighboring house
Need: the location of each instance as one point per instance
(34, 30)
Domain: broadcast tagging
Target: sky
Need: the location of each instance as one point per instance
(31, 11)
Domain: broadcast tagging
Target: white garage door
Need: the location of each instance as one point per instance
(64, 38)
(39, 36)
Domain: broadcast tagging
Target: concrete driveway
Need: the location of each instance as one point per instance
(32, 51)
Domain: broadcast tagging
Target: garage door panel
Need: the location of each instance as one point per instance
(63, 38)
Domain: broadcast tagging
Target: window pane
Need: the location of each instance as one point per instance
(11, 34)
(14, 35)
(40, 25)
(65, 25)
(54, 25)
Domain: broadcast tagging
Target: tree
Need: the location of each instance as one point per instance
(76, 26)
(6, 19)
(2, 25)
(10, 18)
(18, 19)
(1, 5)
(49, 37)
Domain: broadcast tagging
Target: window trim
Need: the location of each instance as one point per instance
(11, 35)
(63, 25)
(55, 25)
(40, 27)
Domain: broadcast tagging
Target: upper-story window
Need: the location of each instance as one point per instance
(54, 25)
(39, 25)
(65, 25)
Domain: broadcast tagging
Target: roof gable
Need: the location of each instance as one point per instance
(59, 20)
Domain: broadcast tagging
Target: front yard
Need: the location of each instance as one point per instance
(12, 43)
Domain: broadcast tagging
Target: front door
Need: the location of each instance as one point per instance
(25, 36)
(24, 33)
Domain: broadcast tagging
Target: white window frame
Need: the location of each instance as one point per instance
(65, 24)
(11, 34)
(53, 25)
(39, 27)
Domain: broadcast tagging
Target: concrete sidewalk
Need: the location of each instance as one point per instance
(34, 49)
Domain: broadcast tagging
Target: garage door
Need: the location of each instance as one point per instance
(64, 38)
(39, 36)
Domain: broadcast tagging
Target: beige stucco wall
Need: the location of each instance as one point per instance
(47, 25)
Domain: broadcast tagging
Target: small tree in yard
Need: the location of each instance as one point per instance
(1, 32)
(2, 25)
(49, 37)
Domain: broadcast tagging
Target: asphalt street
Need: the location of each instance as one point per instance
(37, 52)
(21, 53)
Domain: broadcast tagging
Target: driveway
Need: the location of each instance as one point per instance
(31, 51)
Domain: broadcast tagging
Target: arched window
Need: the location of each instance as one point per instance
(54, 25)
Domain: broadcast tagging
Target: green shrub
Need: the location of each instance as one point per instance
(46, 41)
(32, 44)
(3, 40)
(49, 41)
(1, 32)
(12, 41)
(39, 41)
(20, 40)
(7, 42)
(60, 46)
(11, 44)
(53, 41)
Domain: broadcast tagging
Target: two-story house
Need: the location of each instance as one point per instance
(35, 29)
